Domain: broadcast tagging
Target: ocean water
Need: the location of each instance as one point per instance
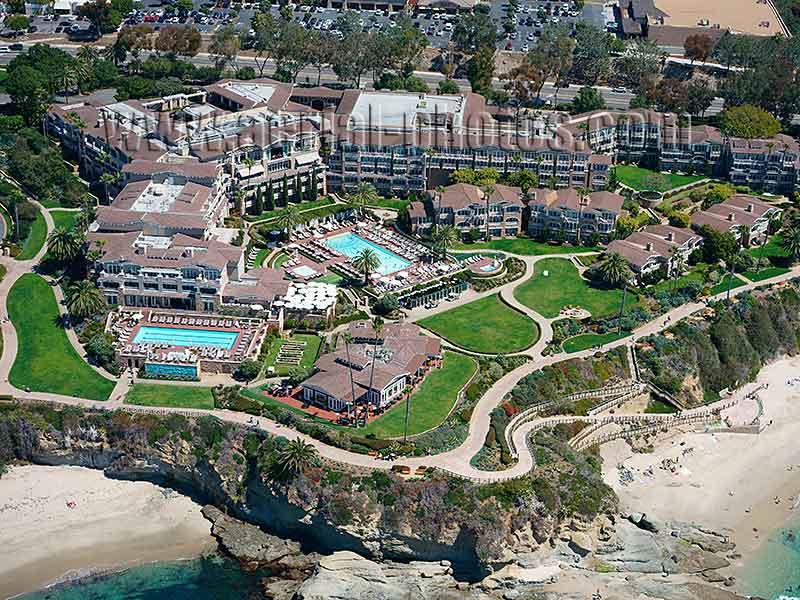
(210, 578)
(774, 571)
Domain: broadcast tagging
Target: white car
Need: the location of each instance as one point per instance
(525, 48)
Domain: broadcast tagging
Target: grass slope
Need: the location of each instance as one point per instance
(64, 218)
(172, 396)
(46, 361)
(310, 353)
(35, 240)
(431, 403)
(590, 340)
(485, 325)
(564, 286)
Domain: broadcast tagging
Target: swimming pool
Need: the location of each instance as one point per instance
(185, 337)
(351, 245)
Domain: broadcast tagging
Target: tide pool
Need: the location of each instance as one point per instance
(210, 578)
(773, 572)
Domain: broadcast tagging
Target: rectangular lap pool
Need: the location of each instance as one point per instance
(351, 245)
(185, 337)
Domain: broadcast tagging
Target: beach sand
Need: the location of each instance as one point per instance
(730, 481)
(114, 524)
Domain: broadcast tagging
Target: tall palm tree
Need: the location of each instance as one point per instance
(288, 218)
(439, 194)
(790, 240)
(116, 52)
(108, 179)
(348, 339)
(364, 194)
(85, 299)
(583, 194)
(488, 192)
(734, 262)
(445, 238)
(63, 244)
(377, 326)
(88, 54)
(407, 391)
(615, 270)
(366, 261)
(294, 457)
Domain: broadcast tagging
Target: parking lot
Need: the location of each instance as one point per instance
(527, 22)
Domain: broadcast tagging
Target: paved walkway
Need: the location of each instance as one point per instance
(456, 461)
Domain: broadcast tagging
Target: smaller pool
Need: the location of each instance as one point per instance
(171, 370)
(185, 337)
(351, 246)
(489, 268)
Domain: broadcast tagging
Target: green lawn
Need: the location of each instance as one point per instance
(35, 240)
(64, 219)
(303, 206)
(525, 246)
(699, 273)
(659, 407)
(771, 250)
(46, 361)
(485, 325)
(765, 273)
(390, 203)
(172, 396)
(309, 357)
(431, 403)
(590, 340)
(330, 278)
(722, 286)
(278, 260)
(563, 286)
(636, 178)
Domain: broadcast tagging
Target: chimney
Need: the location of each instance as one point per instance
(671, 236)
(649, 246)
(749, 208)
(730, 217)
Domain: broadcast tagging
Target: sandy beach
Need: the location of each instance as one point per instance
(727, 481)
(113, 524)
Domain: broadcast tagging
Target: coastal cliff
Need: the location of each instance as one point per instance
(336, 533)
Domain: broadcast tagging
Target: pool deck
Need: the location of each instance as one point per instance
(250, 334)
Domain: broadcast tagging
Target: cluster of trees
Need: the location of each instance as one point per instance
(726, 351)
(106, 16)
(41, 170)
(358, 52)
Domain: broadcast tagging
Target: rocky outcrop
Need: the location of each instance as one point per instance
(253, 547)
(345, 575)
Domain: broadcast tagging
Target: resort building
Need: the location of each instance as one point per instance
(250, 131)
(383, 365)
(467, 208)
(747, 217)
(565, 211)
(657, 247)
(180, 272)
(164, 205)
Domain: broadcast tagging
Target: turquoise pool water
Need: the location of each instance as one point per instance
(185, 337)
(351, 245)
(171, 370)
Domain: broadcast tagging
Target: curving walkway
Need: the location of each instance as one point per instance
(456, 461)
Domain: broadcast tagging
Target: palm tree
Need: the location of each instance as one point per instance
(439, 193)
(109, 178)
(407, 391)
(615, 270)
(288, 218)
(63, 245)
(790, 240)
(348, 339)
(377, 326)
(85, 299)
(88, 54)
(364, 194)
(733, 263)
(116, 52)
(445, 238)
(295, 456)
(583, 194)
(366, 261)
(488, 192)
